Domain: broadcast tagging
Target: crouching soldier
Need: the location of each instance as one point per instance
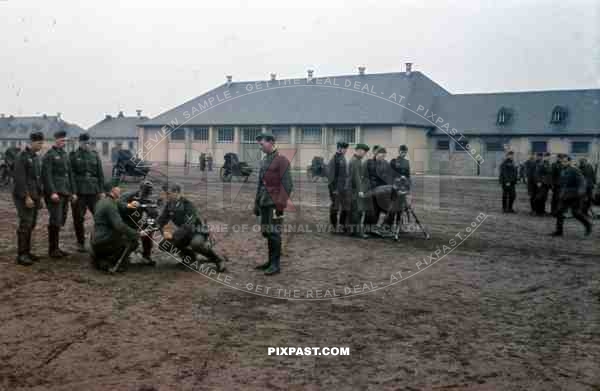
(359, 184)
(192, 233)
(27, 195)
(112, 238)
(572, 193)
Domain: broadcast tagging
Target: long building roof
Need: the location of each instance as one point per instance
(12, 127)
(119, 126)
(409, 99)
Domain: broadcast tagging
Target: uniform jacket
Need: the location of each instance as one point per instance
(572, 183)
(181, 212)
(588, 173)
(339, 174)
(56, 171)
(556, 169)
(87, 172)
(274, 181)
(378, 173)
(530, 166)
(543, 173)
(359, 176)
(400, 167)
(508, 172)
(28, 175)
(108, 223)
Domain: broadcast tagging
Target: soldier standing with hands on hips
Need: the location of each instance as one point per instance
(27, 195)
(58, 190)
(88, 185)
(272, 196)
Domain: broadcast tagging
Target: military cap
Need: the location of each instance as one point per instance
(60, 134)
(510, 153)
(36, 136)
(540, 154)
(376, 147)
(403, 148)
(108, 185)
(362, 146)
(547, 154)
(84, 137)
(568, 158)
(380, 150)
(266, 137)
(342, 144)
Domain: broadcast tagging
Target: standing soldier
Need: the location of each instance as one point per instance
(378, 170)
(541, 195)
(530, 165)
(272, 196)
(555, 170)
(508, 181)
(202, 161)
(400, 165)
(27, 195)
(590, 182)
(88, 183)
(572, 190)
(359, 184)
(209, 161)
(339, 188)
(58, 190)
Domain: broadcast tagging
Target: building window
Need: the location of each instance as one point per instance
(104, 148)
(494, 146)
(580, 147)
(178, 134)
(442, 145)
(504, 116)
(311, 135)
(281, 134)
(249, 134)
(461, 145)
(559, 115)
(225, 135)
(347, 135)
(130, 145)
(200, 134)
(539, 146)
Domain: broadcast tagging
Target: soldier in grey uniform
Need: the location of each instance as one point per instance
(88, 185)
(58, 191)
(359, 186)
(339, 190)
(27, 195)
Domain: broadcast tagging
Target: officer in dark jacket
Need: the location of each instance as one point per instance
(508, 181)
(273, 195)
(192, 233)
(88, 181)
(530, 165)
(27, 195)
(590, 182)
(572, 191)
(542, 178)
(359, 186)
(555, 169)
(379, 175)
(58, 190)
(111, 237)
(339, 189)
(400, 166)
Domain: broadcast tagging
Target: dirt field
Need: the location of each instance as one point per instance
(503, 308)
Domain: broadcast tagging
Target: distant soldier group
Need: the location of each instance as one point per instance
(571, 186)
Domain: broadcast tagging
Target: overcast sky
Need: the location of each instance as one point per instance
(89, 58)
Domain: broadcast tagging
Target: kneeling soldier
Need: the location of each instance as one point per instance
(27, 195)
(192, 234)
(112, 238)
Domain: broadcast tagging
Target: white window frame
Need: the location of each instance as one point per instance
(308, 135)
(203, 133)
(345, 134)
(249, 134)
(225, 135)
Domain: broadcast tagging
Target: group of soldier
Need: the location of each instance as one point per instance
(570, 182)
(121, 221)
(355, 209)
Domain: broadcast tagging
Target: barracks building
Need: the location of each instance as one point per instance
(459, 134)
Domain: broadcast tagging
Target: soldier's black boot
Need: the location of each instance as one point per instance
(265, 266)
(22, 253)
(53, 250)
(274, 268)
(80, 235)
(33, 257)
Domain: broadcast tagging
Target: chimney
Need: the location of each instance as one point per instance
(408, 68)
(229, 79)
(139, 113)
(121, 115)
(310, 74)
(58, 115)
(361, 70)
(273, 76)
(108, 116)
(2, 115)
(44, 116)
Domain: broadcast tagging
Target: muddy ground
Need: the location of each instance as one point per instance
(500, 306)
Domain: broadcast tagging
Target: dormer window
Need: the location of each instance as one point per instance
(504, 116)
(559, 115)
